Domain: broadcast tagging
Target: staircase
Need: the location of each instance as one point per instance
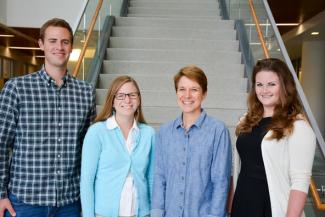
(158, 38)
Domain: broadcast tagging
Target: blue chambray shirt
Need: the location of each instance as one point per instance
(192, 169)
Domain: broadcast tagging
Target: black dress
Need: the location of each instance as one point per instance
(252, 197)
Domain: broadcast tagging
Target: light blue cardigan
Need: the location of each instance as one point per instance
(105, 165)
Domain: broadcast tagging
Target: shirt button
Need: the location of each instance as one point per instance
(184, 149)
(59, 124)
(59, 139)
(180, 207)
(181, 193)
(58, 171)
(183, 163)
(59, 155)
(182, 177)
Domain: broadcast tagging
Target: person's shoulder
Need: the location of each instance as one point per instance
(301, 123)
(215, 122)
(21, 81)
(146, 128)
(24, 78)
(97, 127)
(167, 126)
(80, 83)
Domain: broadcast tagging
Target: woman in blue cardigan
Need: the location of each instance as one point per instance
(117, 155)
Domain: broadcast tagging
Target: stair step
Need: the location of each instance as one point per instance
(210, 17)
(160, 98)
(175, 23)
(179, 1)
(223, 70)
(165, 82)
(161, 114)
(213, 12)
(172, 33)
(176, 5)
(173, 44)
(192, 57)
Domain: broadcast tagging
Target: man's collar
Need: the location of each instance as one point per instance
(50, 80)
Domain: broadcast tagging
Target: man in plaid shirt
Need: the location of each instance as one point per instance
(43, 119)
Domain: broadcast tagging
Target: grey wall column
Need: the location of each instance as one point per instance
(313, 78)
(3, 11)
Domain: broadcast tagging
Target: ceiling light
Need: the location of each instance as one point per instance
(39, 56)
(287, 24)
(314, 33)
(6, 35)
(25, 48)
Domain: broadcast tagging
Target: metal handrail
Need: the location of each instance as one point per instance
(91, 28)
(316, 198)
(313, 189)
(259, 31)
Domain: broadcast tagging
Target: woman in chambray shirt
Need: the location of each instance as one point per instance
(192, 156)
(116, 171)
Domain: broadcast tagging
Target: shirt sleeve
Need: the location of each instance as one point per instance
(159, 182)
(302, 144)
(220, 173)
(91, 114)
(9, 110)
(90, 157)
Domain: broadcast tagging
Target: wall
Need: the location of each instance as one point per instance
(3, 12)
(33, 13)
(313, 78)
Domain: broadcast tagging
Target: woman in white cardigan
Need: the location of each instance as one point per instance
(275, 147)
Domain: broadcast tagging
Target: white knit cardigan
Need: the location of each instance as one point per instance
(288, 165)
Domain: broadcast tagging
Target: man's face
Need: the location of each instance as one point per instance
(57, 47)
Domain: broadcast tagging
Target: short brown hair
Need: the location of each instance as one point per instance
(192, 72)
(108, 109)
(56, 22)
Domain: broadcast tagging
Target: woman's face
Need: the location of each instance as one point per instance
(126, 100)
(267, 88)
(189, 96)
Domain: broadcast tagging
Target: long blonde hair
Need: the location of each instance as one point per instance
(108, 110)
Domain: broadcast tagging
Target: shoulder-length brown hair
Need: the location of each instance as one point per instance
(108, 110)
(286, 111)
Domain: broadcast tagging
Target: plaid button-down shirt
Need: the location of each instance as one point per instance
(42, 127)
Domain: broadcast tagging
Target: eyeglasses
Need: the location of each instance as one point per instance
(121, 96)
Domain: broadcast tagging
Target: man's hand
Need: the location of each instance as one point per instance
(6, 205)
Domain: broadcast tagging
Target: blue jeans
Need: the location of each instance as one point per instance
(26, 210)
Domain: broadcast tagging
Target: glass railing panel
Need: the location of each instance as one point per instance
(240, 10)
(94, 41)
